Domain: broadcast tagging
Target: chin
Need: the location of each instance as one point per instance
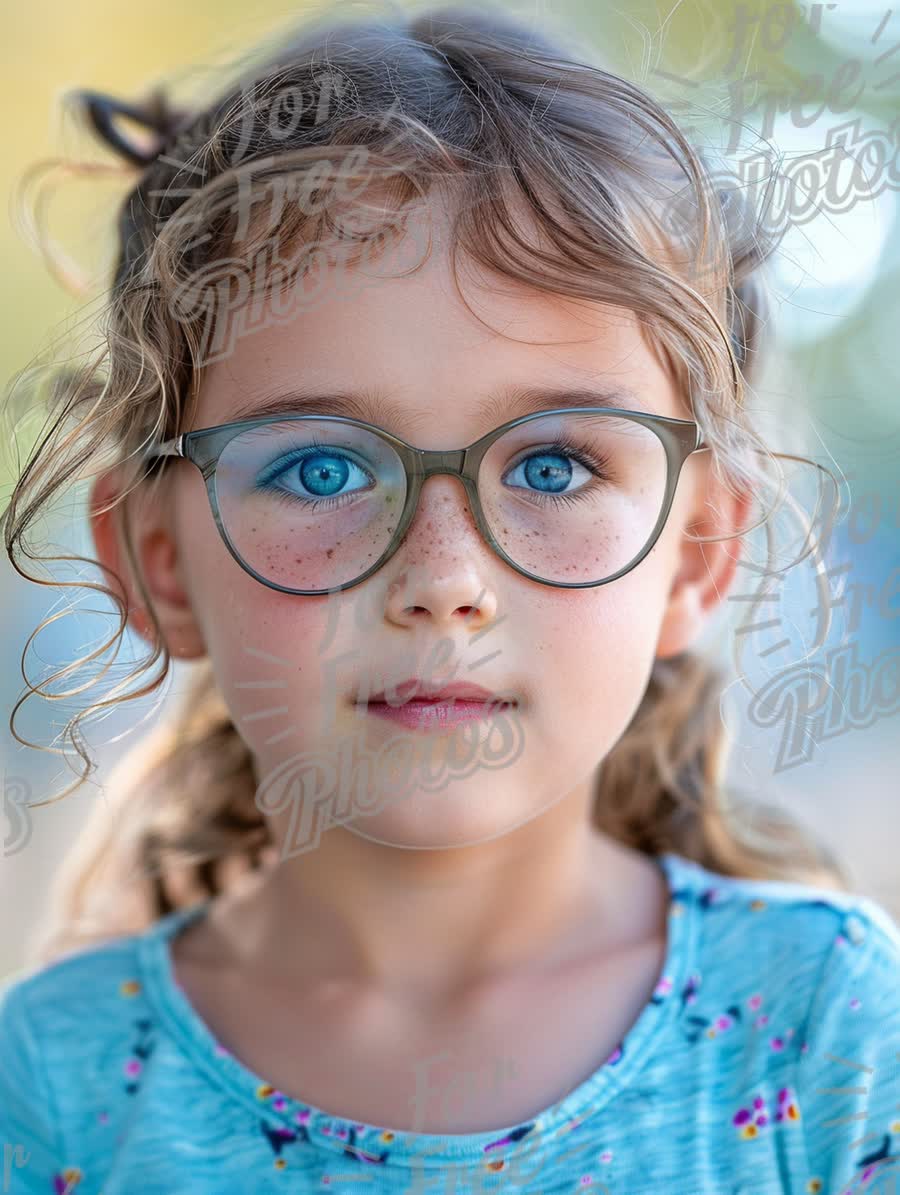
(458, 815)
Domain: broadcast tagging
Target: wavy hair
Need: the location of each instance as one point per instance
(626, 213)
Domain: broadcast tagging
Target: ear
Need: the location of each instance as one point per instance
(148, 517)
(705, 571)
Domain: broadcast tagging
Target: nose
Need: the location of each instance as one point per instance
(445, 562)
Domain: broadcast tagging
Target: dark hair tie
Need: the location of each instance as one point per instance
(154, 113)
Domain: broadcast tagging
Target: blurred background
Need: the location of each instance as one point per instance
(806, 96)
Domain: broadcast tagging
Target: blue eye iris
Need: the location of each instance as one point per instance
(324, 475)
(546, 471)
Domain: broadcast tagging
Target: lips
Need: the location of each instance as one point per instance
(415, 690)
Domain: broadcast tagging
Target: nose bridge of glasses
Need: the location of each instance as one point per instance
(434, 461)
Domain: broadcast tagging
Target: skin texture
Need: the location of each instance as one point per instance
(434, 903)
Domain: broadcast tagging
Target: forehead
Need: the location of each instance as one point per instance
(409, 340)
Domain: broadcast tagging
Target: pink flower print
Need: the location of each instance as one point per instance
(614, 1056)
(606, 1156)
(761, 1021)
(777, 1044)
(742, 1121)
(754, 1002)
(721, 1023)
(279, 1101)
(302, 1117)
(140, 1052)
(751, 1120)
(840, 940)
(585, 1180)
(664, 987)
(787, 1108)
(855, 1003)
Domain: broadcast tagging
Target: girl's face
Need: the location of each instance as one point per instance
(291, 668)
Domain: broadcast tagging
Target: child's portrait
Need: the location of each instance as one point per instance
(460, 495)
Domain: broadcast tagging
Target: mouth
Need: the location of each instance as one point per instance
(419, 706)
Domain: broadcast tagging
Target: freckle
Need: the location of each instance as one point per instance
(329, 553)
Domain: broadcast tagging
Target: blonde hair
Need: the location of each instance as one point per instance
(626, 213)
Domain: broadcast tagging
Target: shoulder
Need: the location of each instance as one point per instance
(83, 986)
(64, 1018)
(804, 924)
(824, 970)
(61, 1027)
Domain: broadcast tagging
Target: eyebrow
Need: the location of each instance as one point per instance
(372, 406)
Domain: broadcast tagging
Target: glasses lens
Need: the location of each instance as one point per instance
(313, 504)
(309, 504)
(574, 497)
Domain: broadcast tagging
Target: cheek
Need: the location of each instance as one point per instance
(595, 652)
(268, 667)
(265, 647)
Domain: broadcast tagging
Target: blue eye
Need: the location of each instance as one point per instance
(548, 471)
(323, 472)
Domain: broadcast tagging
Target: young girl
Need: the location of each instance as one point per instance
(432, 882)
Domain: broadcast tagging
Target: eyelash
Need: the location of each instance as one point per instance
(293, 458)
(597, 464)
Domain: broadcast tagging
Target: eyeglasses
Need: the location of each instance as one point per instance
(310, 504)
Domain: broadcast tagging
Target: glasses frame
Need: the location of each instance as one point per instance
(203, 447)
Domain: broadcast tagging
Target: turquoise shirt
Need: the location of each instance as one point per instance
(766, 1060)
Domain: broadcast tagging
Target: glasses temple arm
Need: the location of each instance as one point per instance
(169, 448)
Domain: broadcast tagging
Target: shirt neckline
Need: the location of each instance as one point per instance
(385, 1144)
